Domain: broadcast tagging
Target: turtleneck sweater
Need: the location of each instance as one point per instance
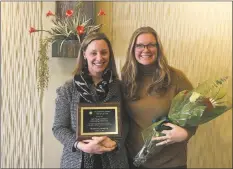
(148, 107)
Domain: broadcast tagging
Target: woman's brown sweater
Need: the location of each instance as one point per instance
(149, 107)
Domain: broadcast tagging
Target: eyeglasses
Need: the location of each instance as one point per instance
(148, 46)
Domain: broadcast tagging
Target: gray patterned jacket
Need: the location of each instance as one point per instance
(64, 126)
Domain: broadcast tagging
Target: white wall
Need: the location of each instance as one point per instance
(60, 71)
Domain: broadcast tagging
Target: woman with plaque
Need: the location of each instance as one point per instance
(85, 131)
(150, 84)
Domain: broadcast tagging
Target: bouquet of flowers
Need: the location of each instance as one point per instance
(188, 109)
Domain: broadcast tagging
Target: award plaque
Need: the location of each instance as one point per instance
(101, 119)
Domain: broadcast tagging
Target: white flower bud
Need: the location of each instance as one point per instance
(194, 97)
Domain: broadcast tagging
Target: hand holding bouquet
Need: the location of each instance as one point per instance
(188, 109)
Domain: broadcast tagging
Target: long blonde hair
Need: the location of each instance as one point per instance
(129, 73)
(88, 39)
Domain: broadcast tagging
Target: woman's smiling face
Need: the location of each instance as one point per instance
(146, 49)
(97, 55)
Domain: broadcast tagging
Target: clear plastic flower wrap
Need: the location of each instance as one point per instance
(188, 109)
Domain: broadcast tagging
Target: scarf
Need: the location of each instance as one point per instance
(84, 85)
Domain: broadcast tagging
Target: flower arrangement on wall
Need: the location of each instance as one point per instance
(75, 26)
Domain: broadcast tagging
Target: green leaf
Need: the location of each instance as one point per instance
(196, 115)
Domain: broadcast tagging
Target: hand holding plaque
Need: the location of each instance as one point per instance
(107, 142)
(96, 145)
(98, 120)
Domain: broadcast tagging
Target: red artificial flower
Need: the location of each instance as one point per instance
(80, 29)
(49, 13)
(101, 12)
(208, 104)
(186, 92)
(69, 12)
(32, 30)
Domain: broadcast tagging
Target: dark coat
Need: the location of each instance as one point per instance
(64, 127)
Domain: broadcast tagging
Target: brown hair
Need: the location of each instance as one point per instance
(88, 39)
(129, 73)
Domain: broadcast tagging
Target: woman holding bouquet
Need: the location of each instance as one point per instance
(150, 84)
(95, 81)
